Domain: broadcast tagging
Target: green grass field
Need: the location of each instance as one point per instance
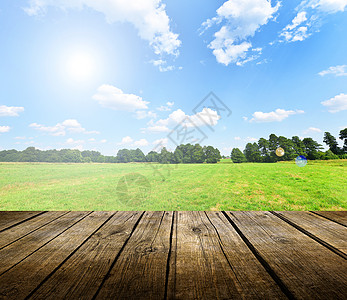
(320, 185)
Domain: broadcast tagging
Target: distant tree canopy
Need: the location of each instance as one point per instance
(183, 154)
(263, 151)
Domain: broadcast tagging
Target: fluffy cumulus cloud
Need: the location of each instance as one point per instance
(308, 18)
(114, 98)
(206, 117)
(166, 107)
(10, 111)
(127, 140)
(274, 116)
(296, 31)
(60, 129)
(75, 144)
(163, 66)
(4, 129)
(141, 143)
(312, 130)
(240, 20)
(142, 114)
(149, 17)
(340, 70)
(336, 104)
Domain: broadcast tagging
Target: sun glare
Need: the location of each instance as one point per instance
(80, 66)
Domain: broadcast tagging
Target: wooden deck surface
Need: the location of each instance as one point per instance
(173, 255)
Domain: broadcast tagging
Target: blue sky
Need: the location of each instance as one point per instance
(114, 74)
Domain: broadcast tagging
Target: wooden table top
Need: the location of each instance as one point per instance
(173, 255)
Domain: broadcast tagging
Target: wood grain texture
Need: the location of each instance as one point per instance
(11, 218)
(327, 231)
(24, 277)
(173, 255)
(308, 269)
(254, 280)
(337, 216)
(140, 270)
(84, 271)
(17, 232)
(24, 247)
(198, 267)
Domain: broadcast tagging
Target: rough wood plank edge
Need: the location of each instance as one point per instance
(18, 262)
(169, 256)
(20, 222)
(312, 236)
(326, 217)
(37, 228)
(263, 262)
(116, 258)
(62, 263)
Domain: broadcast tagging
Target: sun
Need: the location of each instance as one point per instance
(80, 66)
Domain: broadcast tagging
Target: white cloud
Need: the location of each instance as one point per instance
(141, 143)
(111, 97)
(250, 139)
(308, 19)
(166, 107)
(10, 111)
(206, 117)
(237, 138)
(60, 129)
(142, 114)
(245, 118)
(148, 16)
(163, 141)
(75, 144)
(274, 116)
(126, 140)
(337, 71)
(162, 65)
(336, 104)
(312, 130)
(293, 32)
(329, 6)
(103, 141)
(242, 19)
(4, 129)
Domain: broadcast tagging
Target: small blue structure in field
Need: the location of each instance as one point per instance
(301, 161)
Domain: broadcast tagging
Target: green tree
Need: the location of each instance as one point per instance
(330, 140)
(343, 137)
(198, 155)
(299, 146)
(212, 154)
(312, 148)
(237, 156)
(252, 152)
(152, 156)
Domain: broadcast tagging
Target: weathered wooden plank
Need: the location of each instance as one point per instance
(325, 230)
(23, 229)
(11, 218)
(82, 274)
(20, 249)
(140, 270)
(307, 269)
(25, 277)
(256, 283)
(198, 267)
(337, 216)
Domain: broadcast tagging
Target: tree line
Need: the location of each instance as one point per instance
(183, 154)
(262, 151)
(265, 150)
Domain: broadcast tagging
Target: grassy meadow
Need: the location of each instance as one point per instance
(320, 185)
